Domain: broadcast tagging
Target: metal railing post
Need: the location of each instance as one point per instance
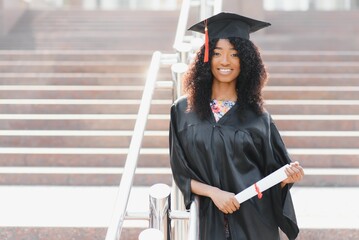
(193, 233)
(159, 208)
(178, 69)
(151, 234)
(115, 227)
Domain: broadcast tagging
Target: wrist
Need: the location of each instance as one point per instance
(212, 191)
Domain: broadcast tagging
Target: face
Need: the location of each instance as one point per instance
(225, 63)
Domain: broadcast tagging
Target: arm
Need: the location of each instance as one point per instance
(225, 201)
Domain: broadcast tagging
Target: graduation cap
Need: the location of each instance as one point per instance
(225, 25)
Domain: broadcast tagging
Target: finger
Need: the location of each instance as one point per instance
(289, 171)
(236, 203)
(233, 207)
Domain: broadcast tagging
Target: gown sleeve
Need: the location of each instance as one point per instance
(282, 201)
(180, 169)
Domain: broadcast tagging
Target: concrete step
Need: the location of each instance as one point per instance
(46, 218)
(76, 67)
(276, 79)
(159, 157)
(108, 176)
(138, 66)
(81, 176)
(79, 92)
(135, 92)
(75, 55)
(313, 67)
(153, 159)
(89, 106)
(157, 139)
(307, 42)
(313, 79)
(317, 122)
(80, 122)
(92, 30)
(311, 92)
(97, 55)
(91, 210)
(69, 79)
(106, 106)
(161, 122)
(314, 107)
(300, 56)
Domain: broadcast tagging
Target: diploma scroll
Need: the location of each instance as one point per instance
(262, 185)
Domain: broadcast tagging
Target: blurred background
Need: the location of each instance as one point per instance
(72, 73)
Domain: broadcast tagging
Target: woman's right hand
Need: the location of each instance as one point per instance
(225, 201)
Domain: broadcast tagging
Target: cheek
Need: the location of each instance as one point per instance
(238, 67)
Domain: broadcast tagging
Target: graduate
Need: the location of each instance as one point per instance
(222, 140)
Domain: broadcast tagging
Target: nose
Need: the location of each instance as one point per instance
(224, 59)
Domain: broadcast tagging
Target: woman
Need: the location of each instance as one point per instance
(222, 140)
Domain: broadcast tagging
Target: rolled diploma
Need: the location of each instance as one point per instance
(265, 183)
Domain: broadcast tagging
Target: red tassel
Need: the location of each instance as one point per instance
(206, 43)
(260, 195)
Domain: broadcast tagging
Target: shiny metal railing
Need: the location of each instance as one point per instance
(160, 215)
(181, 229)
(115, 227)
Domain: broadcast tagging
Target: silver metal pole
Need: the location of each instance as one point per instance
(178, 69)
(193, 233)
(159, 208)
(118, 215)
(151, 234)
(180, 227)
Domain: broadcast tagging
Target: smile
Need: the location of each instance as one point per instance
(224, 70)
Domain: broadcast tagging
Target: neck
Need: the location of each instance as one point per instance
(224, 91)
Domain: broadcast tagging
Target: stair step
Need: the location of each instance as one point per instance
(313, 67)
(75, 55)
(74, 66)
(109, 176)
(161, 122)
(101, 106)
(320, 56)
(121, 139)
(96, 55)
(136, 66)
(313, 79)
(135, 92)
(312, 92)
(68, 79)
(84, 92)
(91, 209)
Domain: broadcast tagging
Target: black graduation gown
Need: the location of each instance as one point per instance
(232, 154)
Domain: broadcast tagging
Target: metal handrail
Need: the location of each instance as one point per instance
(182, 23)
(193, 232)
(115, 227)
(179, 45)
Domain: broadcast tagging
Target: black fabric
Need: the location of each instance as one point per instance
(231, 154)
(226, 25)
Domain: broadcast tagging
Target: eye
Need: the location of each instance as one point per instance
(216, 54)
(234, 55)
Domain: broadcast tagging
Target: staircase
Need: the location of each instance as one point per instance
(69, 94)
(69, 99)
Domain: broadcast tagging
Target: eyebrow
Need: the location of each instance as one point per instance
(222, 48)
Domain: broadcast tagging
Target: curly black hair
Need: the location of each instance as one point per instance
(252, 78)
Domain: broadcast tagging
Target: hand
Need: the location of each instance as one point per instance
(225, 201)
(294, 172)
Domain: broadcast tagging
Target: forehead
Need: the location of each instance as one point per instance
(225, 44)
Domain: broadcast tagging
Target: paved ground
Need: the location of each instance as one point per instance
(26, 206)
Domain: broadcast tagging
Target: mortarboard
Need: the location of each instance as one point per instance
(225, 25)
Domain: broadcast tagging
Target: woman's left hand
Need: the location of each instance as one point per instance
(294, 172)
